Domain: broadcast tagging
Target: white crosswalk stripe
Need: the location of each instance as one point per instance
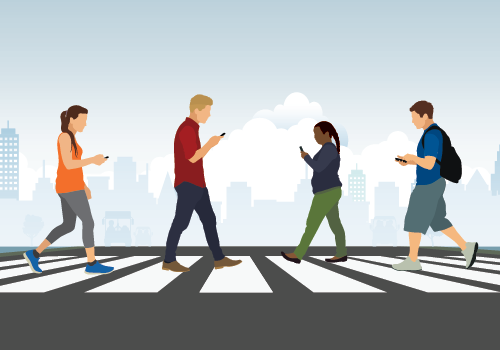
(247, 278)
(149, 280)
(244, 278)
(58, 280)
(417, 281)
(447, 286)
(460, 263)
(17, 271)
(23, 261)
(478, 258)
(321, 280)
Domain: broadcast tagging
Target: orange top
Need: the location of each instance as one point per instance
(69, 180)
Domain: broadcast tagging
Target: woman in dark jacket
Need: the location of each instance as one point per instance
(327, 192)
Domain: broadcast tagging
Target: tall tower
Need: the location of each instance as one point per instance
(44, 188)
(495, 177)
(125, 175)
(9, 163)
(357, 185)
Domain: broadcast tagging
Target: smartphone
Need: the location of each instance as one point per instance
(401, 160)
(106, 157)
(223, 134)
(301, 149)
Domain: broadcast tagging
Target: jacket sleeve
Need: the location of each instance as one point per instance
(326, 156)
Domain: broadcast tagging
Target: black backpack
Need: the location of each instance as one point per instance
(451, 165)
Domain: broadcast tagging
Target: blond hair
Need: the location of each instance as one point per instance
(200, 102)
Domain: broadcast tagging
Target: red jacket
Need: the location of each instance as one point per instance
(186, 143)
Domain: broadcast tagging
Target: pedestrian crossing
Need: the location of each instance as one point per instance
(244, 278)
(23, 261)
(478, 258)
(320, 280)
(152, 279)
(251, 277)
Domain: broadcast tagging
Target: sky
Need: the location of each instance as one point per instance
(136, 64)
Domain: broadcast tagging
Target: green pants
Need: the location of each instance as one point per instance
(325, 203)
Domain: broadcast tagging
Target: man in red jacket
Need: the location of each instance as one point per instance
(192, 192)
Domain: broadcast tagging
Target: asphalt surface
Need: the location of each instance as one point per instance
(291, 316)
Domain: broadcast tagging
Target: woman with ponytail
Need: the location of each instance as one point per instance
(327, 192)
(73, 191)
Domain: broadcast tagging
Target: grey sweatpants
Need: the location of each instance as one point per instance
(427, 208)
(75, 204)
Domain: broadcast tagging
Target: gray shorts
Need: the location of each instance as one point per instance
(427, 208)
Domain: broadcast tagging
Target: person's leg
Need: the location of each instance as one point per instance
(455, 236)
(209, 220)
(321, 205)
(68, 225)
(187, 197)
(333, 218)
(80, 205)
(414, 244)
(440, 223)
(420, 213)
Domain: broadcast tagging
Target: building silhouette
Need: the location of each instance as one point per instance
(9, 163)
(125, 174)
(357, 185)
(386, 199)
(44, 189)
(495, 177)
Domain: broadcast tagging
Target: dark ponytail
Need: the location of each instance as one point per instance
(327, 126)
(72, 112)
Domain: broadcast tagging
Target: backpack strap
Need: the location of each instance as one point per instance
(434, 127)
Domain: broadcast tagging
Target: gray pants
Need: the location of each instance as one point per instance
(75, 204)
(427, 208)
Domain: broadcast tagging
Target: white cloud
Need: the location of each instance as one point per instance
(295, 108)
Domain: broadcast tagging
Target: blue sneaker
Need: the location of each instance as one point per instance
(98, 269)
(32, 261)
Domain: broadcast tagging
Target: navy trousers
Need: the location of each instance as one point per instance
(191, 197)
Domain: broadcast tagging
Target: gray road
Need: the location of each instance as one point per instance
(291, 316)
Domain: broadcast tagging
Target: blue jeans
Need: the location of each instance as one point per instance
(191, 197)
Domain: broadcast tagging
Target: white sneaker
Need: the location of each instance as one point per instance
(470, 253)
(408, 265)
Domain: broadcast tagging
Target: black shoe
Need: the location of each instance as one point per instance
(344, 258)
(295, 260)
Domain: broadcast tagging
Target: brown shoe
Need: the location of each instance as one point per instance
(226, 262)
(295, 260)
(174, 266)
(335, 259)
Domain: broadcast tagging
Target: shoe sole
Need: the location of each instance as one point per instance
(173, 270)
(220, 267)
(476, 246)
(29, 263)
(98, 273)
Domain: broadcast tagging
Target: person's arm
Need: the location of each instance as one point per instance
(191, 151)
(326, 156)
(68, 161)
(430, 152)
(202, 152)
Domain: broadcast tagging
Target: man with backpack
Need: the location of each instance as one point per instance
(436, 161)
